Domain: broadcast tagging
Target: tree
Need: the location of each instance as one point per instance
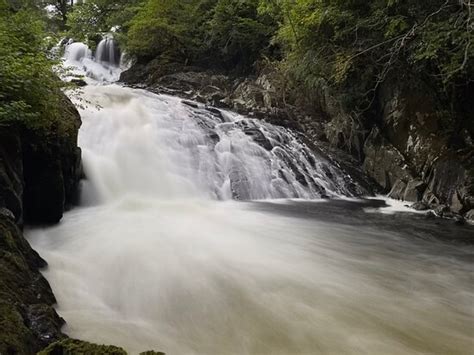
(354, 45)
(59, 10)
(29, 91)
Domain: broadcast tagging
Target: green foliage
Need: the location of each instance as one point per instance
(226, 33)
(89, 20)
(164, 27)
(238, 32)
(29, 91)
(355, 45)
(58, 11)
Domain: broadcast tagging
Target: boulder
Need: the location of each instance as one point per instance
(444, 211)
(420, 206)
(469, 216)
(383, 162)
(414, 191)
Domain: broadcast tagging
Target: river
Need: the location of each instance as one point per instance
(163, 254)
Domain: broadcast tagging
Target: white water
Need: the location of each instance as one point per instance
(107, 52)
(80, 61)
(154, 259)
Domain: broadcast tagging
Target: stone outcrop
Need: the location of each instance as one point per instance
(51, 169)
(40, 168)
(435, 148)
(39, 175)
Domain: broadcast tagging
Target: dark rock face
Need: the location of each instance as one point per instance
(27, 319)
(11, 171)
(48, 165)
(39, 174)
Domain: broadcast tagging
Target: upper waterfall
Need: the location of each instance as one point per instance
(101, 66)
(108, 52)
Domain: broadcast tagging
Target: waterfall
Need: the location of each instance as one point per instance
(104, 66)
(157, 145)
(108, 52)
(77, 52)
(155, 259)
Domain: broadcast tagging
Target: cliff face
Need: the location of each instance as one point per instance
(414, 147)
(39, 174)
(434, 148)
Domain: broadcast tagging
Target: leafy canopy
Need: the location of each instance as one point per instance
(29, 91)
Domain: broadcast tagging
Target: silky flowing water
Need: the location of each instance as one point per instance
(161, 255)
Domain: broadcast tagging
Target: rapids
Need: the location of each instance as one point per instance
(161, 255)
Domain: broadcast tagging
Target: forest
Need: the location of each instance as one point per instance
(352, 46)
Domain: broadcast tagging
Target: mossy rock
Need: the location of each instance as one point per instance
(15, 337)
(79, 347)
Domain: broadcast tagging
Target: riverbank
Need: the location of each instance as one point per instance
(40, 168)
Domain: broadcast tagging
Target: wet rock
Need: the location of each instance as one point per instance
(11, 170)
(258, 137)
(51, 168)
(398, 190)
(414, 191)
(44, 322)
(459, 220)
(430, 199)
(384, 163)
(444, 211)
(7, 213)
(469, 216)
(190, 103)
(420, 206)
(74, 346)
(27, 319)
(456, 203)
(216, 112)
(78, 82)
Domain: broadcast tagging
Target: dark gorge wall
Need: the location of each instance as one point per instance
(39, 175)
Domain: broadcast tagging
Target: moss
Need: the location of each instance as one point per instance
(27, 320)
(15, 337)
(78, 347)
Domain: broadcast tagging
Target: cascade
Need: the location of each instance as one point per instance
(103, 67)
(159, 144)
(161, 255)
(108, 52)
